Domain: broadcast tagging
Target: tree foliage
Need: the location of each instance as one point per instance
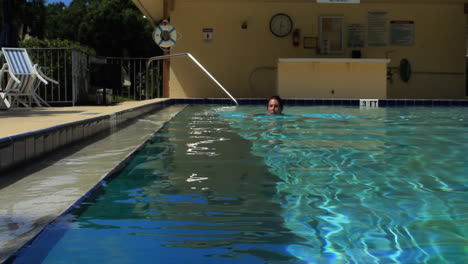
(110, 27)
(33, 18)
(27, 17)
(56, 43)
(54, 21)
(21, 18)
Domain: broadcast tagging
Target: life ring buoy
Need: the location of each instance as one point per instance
(165, 35)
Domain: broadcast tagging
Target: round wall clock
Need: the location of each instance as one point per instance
(281, 25)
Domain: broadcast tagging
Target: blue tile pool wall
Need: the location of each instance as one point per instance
(319, 101)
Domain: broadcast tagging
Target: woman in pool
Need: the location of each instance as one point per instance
(274, 107)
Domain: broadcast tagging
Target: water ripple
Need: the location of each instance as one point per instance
(371, 189)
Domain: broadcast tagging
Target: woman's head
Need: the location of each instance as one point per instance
(275, 105)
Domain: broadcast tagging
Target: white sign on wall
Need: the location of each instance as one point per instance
(402, 32)
(377, 29)
(356, 35)
(338, 1)
(207, 34)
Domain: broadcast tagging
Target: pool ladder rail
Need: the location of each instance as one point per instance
(197, 63)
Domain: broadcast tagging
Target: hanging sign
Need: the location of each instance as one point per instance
(338, 1)
(401, 32)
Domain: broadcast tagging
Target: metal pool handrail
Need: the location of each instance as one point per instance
(196, 62)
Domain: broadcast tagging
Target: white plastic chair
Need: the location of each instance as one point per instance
(24, 78)
(37, 99)
(4, 103)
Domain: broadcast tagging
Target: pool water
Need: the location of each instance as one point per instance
(333, 185)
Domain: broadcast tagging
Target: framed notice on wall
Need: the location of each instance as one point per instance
(356, 35)
(377, 29)
(331, 34)
(402, 32)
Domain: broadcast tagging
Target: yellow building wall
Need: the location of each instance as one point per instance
(318, 78)
(244, 61)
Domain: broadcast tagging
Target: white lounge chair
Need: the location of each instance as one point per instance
(37, 99)
(23, 78)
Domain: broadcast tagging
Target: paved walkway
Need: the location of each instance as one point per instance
(21, 120)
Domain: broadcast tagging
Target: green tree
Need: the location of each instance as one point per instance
(11, 17)
(56, 43)
(2, 19)
(72, 18)
(33, 18)
(25, 17)
(54, 26)
(116, 28)
(111, 27)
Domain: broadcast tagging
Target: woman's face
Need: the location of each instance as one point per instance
(274, 108)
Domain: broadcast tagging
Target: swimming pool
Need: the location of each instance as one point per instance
(341, 185)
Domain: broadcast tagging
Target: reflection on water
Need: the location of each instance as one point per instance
(350, 186)
(194, 194)
(387, 186)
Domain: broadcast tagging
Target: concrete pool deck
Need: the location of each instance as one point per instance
(27, 119)
(29, 133)
(32, 196)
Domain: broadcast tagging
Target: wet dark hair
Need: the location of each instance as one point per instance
(277, 98)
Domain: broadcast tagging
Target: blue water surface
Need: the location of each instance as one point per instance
(319, 185)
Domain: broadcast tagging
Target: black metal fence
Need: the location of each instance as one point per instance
(80, 75)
